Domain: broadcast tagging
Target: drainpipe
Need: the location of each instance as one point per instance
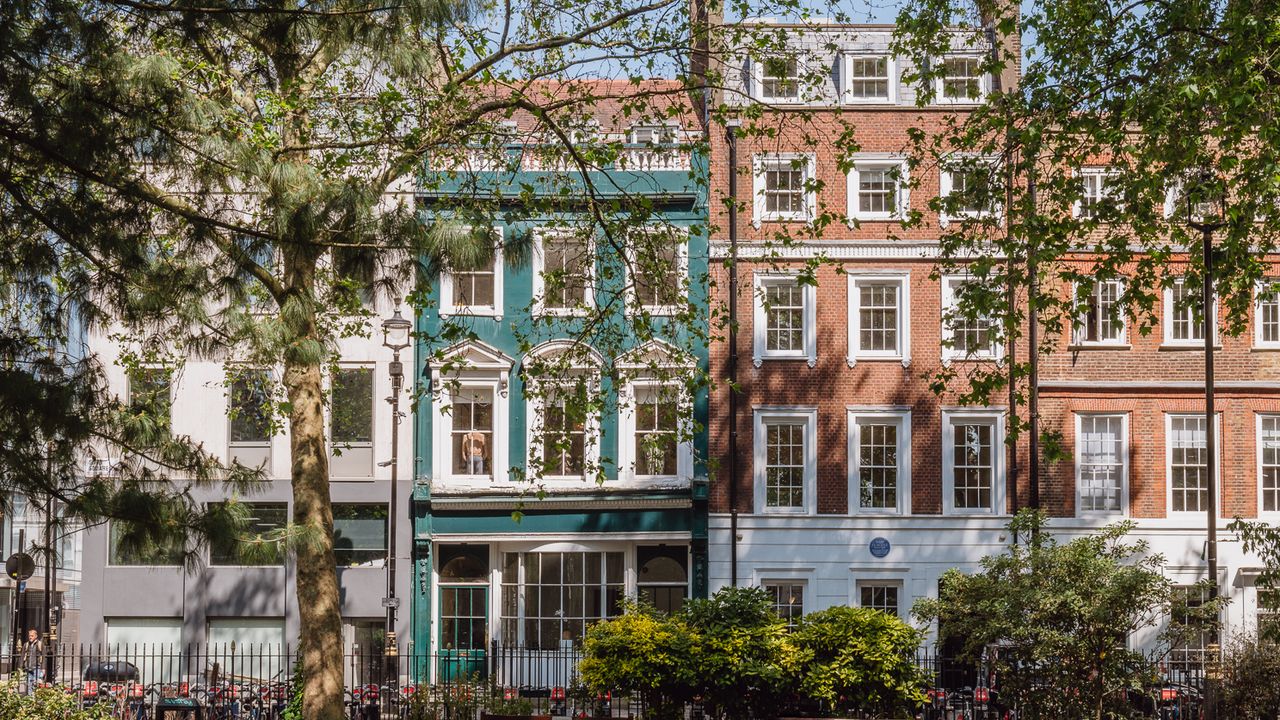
(1033, 350)
(731, 135)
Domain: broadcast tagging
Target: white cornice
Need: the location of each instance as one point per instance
(837, 250)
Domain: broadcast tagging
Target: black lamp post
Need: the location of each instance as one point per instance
(1205, 211)
(395, 336)
(1203, 199)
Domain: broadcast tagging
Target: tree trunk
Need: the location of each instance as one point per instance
(317, 576)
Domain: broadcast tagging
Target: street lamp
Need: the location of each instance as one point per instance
(1205, 211)
(395, 337)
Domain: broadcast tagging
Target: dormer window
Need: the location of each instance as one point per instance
(651, 135)
(779, 79)
(962, 80)
(869, 78)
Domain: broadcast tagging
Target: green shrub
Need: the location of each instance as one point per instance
(46, 704)
(856, 660)
(1249, 689)
(643, 653)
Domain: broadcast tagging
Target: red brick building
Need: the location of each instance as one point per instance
(853, 482)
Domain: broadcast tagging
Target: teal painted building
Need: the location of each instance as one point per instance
(533, 519)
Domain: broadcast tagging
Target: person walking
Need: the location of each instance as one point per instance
(33, 660)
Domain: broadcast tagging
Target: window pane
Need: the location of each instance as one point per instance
(656, 272)
(151, 402)
(877, 596)
(1186, 323)
(788, 600)
(1187, 467)
(779, 78)
(656, 434)
(561, 596)
(869, 78)
(878, 317)
(140, 550)
(351, 419)
(263, 518)
(970, 337)
(784, 465)
(961, 79)
(1269, 441)
(563, 433)
(250, 402)
(878, 465)
(566, 270)
(471, 431)
(359, 534)
(1269, 317)
(1101, 453)
(784, 316)
(973, 471)
(877, 190)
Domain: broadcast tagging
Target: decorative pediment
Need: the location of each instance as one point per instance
(655, 354)
(471, 358)
(474, 355)
(577, 354)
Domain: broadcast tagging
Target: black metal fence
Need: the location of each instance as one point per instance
(230, 681)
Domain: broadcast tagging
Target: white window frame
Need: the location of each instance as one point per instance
(903, 352)
(1272, 515)
(966, 416)
(871, 582)
(1168, 464)
(448, 305)
(627, 461)
(950, 353)
(590, 432)
(1078, 330)
(846, 76)
(1123, 511)
(809, 352)
(788, 575)
(902, 193)
(757, 80)
(761, 164)
(442, 427)
(945, 188)
(766, 415)
(1166, 322)
(539, 285)
(1104, 174)
(883, 416)
(682, 270)
(984, 82)
(1259, 291)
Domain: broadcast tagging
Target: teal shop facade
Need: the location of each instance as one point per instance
(527, 564)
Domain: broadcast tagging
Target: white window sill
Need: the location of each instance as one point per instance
(563, 312)
(976, 357)
(895, 357)
(877, 513)
(656, 311)
(1185, 345)
(779, 356)
(1100, 514)
(798, 218)
(470, 312)
(1265, 348)
(784, 511)
(878, 217)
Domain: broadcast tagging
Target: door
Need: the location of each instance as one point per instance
(464, 632)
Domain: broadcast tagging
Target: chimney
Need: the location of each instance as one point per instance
(1008, 45)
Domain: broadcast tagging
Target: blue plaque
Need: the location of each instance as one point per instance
(879, 547)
